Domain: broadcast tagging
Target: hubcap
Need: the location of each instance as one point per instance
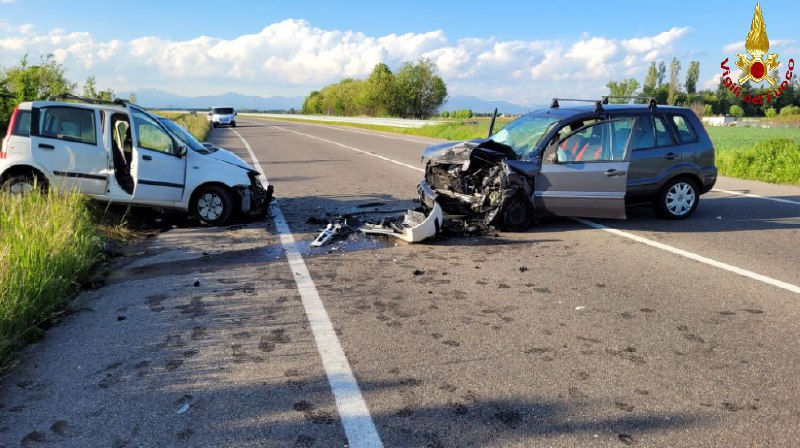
(680, 198)
(209, 206)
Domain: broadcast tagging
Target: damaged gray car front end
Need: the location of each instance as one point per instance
(487, 180)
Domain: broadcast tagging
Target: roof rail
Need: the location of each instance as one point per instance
(650, 100)
(69, 96)
(598, 105)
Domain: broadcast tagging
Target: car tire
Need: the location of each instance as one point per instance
(213, 125)
(23, 183)
(517, 213)
(233, 124)
(213, 205)
(678, 199)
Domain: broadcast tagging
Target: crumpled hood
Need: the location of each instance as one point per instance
(455, 152)
(228, 157)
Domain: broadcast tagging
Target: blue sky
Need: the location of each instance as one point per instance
(520, 51)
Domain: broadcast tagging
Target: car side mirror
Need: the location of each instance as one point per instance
(236, 113)
(182, 151)
(209, 114)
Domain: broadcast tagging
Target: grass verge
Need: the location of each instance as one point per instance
(775, 160)
(48, 244)
(197, 124)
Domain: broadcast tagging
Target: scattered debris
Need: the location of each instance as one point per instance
(183, 408)
(334, 228)
(418, 272)
(196, 283)
(121, 318)
(579, 308)
(523, 269)
(414, 227)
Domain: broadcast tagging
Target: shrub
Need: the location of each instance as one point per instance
(770, 113)
(445, 114)
(708, 110)
(790, 111)
(736, 111)
(774, 160)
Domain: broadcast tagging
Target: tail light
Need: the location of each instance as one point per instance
(9, 132)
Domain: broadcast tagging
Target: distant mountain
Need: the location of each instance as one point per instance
(159, 99)
(477, 105)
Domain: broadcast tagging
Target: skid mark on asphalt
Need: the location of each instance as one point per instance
(355, 416)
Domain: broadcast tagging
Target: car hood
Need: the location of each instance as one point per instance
(456, 152)
(226, 156)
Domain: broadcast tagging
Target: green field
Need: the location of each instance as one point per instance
(738, 139)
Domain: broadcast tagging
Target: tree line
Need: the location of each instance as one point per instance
(415, 91)
(719, 101)
(29, 82)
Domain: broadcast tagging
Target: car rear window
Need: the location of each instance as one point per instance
(22, 126)
(68, 123)
(683, 129)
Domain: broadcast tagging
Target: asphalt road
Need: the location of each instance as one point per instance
(666, 334)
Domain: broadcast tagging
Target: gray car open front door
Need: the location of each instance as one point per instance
(589, 176)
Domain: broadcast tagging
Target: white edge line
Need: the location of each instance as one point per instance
(356, 419)
(749, 195)
(718, 264)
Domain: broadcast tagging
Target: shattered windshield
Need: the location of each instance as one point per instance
(524, 133)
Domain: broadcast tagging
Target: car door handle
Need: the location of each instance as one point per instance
(614, 173)
(147, 158)
(46, 146)
(670, 156)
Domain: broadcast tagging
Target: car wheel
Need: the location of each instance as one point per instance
(678, 199)
(213, 125)
(516, 214)
(24, 183)
(233, 123)
(213, 205)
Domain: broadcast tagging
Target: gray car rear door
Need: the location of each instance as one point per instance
(589, 177)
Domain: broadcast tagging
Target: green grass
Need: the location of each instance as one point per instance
(48, 244)
(775, 160)
(197, 124)
(739, 139)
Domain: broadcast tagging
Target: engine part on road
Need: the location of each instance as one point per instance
(334, 229)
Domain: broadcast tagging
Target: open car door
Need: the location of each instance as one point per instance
(158, 165)
(586, 174)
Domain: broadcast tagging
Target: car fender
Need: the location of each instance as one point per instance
(28, 165)
(681, 169)
(203, 170)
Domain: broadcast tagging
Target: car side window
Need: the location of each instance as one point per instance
(599, 142)
(22, 126)
(683, 129)
(150, 135)
(644, 136)
(663, 136)
(68, 123)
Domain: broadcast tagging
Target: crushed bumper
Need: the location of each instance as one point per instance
(415, 227)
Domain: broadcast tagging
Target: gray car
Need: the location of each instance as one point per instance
(585, 160)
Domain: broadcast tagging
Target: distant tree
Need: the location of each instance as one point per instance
(132, 98)
(692, 75)
(661, 73)
(28, 82)
(313, 103)
(380, 91)
(674, 73)
(736, 111)
(625, 87)
(106, 95)
(708, 110)
(420, 89)
(90, 87)
(649, 88)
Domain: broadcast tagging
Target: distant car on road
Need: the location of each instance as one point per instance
(222, 116)
(585, 160)
(120, 153)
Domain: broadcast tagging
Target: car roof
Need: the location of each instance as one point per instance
(30, 104)
(572, 110)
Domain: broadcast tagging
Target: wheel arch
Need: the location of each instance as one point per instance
(24, 169)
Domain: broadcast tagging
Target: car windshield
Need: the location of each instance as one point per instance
(524, 133)
(182, 134)
(222, 110)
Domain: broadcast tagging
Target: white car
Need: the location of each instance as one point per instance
(222, 116)
(93, 148)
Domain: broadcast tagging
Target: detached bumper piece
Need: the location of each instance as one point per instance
(259, 197)
(414, 227)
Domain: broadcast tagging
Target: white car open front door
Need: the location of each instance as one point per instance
(589, 177)
(158, 167)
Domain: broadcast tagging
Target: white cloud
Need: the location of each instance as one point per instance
(738, 47)
(293, 57)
